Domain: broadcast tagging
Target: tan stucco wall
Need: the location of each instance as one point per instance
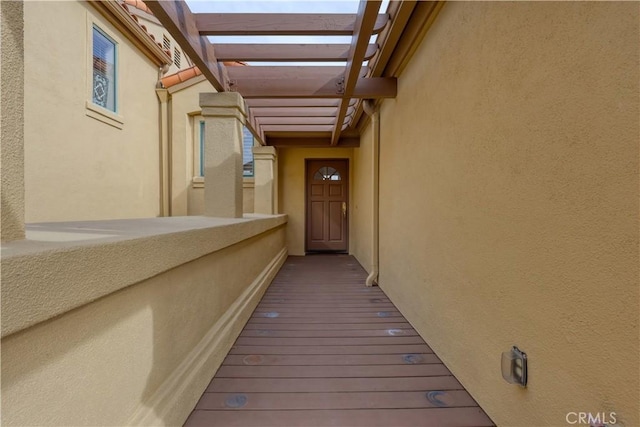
(361, 196)
(12, 121)
(196, 198)
(509, 194)
(143, 354)
(77, 167)
(184, 105)
(291, 182)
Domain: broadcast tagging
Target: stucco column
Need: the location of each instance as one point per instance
(224, 115)
(264, 171)
(12, 120)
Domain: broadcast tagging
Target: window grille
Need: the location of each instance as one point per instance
(104, 70)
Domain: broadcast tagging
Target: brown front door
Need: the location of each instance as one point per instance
(327, 199)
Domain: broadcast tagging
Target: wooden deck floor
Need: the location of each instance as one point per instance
(321, 349)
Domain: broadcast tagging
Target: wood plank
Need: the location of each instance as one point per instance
(286, 103)
(441, 417)
(338, 400)
(331, 349)
(265, 24)
(328, 327)
(371, 87)
(178, 20)
(288, 52)
(289, 121)
(367, 12)
(306, 385)
(287, 342)
(341, 317)
(268, 332)
(310, 142)
(326, 309)
(294, 112)
(297, 128)
(326, 320)
(330, 359)
(286, 72)
(385, 371)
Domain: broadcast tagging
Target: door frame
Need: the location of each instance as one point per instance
(307, 161)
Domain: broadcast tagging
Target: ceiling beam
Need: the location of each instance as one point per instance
(288, 72)
(270, 24)
(370, 88)
(287, 103)
(311, 141)
(295, 120)
(294, 112)
(297, 128)
(400, 12)
(287, 52)
(363, 28)
(177, 18)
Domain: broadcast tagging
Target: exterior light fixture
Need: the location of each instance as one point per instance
(514, 366)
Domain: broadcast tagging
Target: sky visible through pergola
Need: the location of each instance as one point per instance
(281, 6)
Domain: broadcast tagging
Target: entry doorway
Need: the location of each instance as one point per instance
(327, 200)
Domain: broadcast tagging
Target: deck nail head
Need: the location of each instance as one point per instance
(271, 314)
(253, 359)
(436, 396)
(412, 358)
(236, 401)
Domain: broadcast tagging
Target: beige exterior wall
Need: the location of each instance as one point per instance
(187, 195)
(187, 190)
(141, 355)
(76, 166)
(362, 201)
(291, 191)
(509, 184)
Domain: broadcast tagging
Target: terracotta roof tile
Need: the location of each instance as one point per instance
(138, 4)
(191, 72)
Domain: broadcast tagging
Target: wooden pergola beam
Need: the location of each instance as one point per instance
(294, 112)
(287, 52)
(287, 103)
(293, 24)
(288, 72)
(279, 141)
(297, 128)
(370, 88)
(295, 120)
(363, 28)
(177, 18)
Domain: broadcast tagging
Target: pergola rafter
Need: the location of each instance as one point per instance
(288, 52)
(281, 24)
(363, 28)
(322, 104)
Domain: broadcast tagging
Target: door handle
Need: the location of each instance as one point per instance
(344, 209)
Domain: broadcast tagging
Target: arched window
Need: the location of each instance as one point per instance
(327, 173)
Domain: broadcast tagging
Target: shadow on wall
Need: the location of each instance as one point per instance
(114, 360)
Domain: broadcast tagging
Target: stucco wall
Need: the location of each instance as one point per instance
(77, 167)
(12, 121)
(362, 209)
(509, 203)
(144, 354)
(291, 188)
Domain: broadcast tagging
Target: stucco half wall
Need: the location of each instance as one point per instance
(509, 203)
(130, 351)
(291, 191)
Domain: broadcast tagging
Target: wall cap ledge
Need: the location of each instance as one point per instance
(63, 266)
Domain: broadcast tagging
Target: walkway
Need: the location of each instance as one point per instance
(321, 349)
